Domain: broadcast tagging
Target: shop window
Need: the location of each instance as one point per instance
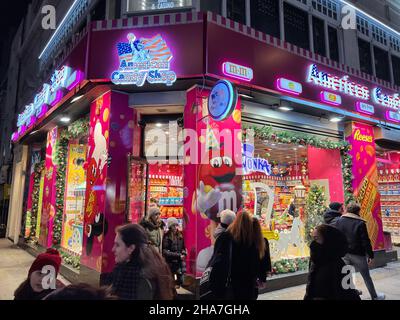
(381, 63)
(284, 185)
(396, 69)
(389, 189)
(265, 16)
(211, 5)
(362, 26)
(326, 7)
(236, 10)
(395, 43)
(296, 26)
(364, 51)
(319, 36)
(74, 197)
(379, 35)
(333, 44)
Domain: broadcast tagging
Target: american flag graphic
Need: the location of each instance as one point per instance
(124, 51)
(157, 47)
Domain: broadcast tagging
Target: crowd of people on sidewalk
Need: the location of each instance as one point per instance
(150, 264)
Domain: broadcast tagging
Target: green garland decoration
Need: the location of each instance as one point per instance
(72, 260)
(315, 208)
(74, 131)
(290, 265)
(268, 133)
(32, 214)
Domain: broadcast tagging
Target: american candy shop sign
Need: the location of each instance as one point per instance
(143, 59)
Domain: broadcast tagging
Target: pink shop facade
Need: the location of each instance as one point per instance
(90, 135)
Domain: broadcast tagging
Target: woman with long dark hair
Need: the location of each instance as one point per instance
(241, 251)
(140, 272)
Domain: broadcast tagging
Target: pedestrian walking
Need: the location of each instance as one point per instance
(226, 218)
(140, 273)
(81, 291)
(326, 270)
(333, 213)
(154, 227)
(360, 253)
(41, 279)
(174, 250)
(265, 259)
(237, 262)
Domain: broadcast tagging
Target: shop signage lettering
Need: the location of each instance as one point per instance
(237, 71)
(365, 107)
(331, 98)
(50, 94)
(324, 79)
(386, 100)
(251, 164)
(144, 59)
(393, 115)
(358, 136)
(147, 5)
(289, 86)
(222, 100)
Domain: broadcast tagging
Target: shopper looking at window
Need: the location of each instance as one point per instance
(174, 250)
(226, 218)
(360, 253)
(38, 284)
(325, 277)
(333, 213)
(154, 227)
(140, 272)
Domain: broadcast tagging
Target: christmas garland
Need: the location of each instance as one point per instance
(31, 215)
(74, 131)
(290, 265)
(268, 133)
(72, 260)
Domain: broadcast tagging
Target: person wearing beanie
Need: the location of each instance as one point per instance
(154, 227)
(32, 288)
(333, 213)
(226, 217)
(174, 250)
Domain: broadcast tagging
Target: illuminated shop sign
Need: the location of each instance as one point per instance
(365, 108)
(50, 94)
(151, 5)
(324, 79)
(358, 136)
(386, 100)
(222, 100)
(144, 59)
(251, 164)
(289, 86)
(331, 98)
(237, 71)
(393, 115)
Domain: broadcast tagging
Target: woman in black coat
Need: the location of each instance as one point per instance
(325, 278)
(242, 255)
(140, 272)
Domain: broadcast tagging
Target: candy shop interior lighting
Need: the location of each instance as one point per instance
(335, 119)
(65, 119)
(76, 98)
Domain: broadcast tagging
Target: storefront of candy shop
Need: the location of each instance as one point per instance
(156, 108)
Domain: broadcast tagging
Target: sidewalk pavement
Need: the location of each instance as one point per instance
(386, 280)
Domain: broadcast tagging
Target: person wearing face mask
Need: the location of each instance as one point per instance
(34, 288)
(140, 273)
(326, 271)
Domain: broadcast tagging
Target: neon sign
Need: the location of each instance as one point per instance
(222, 100)
(289, 86)
(50, 94)
(237, 71)
(386, 100)
(324, 79)
(393, 115)
(331, 98)
(251, 164)
(143, 59)
(365, 108)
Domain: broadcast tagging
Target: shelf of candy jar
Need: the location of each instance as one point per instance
(164, 180)
(388, 175)
(171, 212)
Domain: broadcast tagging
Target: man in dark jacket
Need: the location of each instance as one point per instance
(360, 252)
(333, 213)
